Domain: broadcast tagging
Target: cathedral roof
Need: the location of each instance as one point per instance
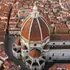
(34, 27)
(59, 66)
(60, 37)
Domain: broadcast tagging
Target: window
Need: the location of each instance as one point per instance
(43, 57)
(49, 58)
(18, 51)
(63, 54)
(41, 62)
(14, 49)
(35, 64)
(35, 44)
(35, 69)
(25, 46)
(26, 57)
(53, 54)
(63, 43)
(53, 43)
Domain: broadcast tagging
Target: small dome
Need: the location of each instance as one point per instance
(34, 27)
(35, 53)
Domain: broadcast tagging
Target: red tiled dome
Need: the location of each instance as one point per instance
(35, 53)
(34, 28)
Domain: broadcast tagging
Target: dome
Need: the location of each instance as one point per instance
(35, 53)
(34, 27)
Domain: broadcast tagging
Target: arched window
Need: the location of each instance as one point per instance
(49, 58)
(43, 57)
(53, 54)
(35, 44)
(41, 62)
(35, 69)
(35, 64)
(14, 49)
(53, 43)
(26, 57)
(63, 43)
(19, 51)
(63, 54)
(29, 61)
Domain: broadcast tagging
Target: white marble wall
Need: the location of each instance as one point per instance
(59, 43)
(58, 54)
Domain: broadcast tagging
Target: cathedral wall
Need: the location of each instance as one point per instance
(59, 54)
(59, 43)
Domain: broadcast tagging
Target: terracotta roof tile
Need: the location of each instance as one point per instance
(35, 31)
(44, 28)
(60, 37)
(35, 53)
(55, 66)
(26, 28)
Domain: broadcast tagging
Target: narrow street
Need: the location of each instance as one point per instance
(8, 46)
